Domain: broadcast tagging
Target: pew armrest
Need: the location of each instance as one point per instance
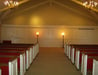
(13, 69)
(0, 71)
(95, 67)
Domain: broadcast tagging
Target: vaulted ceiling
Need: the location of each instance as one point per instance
(4, 8)
(69, 6)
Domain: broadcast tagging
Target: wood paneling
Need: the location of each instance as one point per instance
(49, 36)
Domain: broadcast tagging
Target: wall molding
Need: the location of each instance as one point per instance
(51, 26)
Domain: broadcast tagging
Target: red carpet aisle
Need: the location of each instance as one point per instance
(52, 61)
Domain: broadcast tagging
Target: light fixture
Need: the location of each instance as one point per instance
(62, 33)
(11, 3)
(90, 3)
(37, 34)
(63, 38)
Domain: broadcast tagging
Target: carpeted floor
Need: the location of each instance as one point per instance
(52, 61)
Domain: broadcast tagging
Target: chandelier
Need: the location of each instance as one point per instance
(90, 3)
(11, 3)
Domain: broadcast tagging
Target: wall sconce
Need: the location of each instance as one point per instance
(63, 38)
(37, 34)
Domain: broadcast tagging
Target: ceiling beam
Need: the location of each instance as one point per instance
(80, 3)
(36, 5)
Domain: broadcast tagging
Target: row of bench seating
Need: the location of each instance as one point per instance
(15, 59)
(85, 57)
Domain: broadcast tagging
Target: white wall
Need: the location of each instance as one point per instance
(50, 36)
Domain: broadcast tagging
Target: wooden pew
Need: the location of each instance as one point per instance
(73, 48)
(66, 48)
(35, 50)
(31, 51)
(71, 51)
(78, 57)
(21, 61)
(27, 47)
(95, 66)
(88, 62)
(26, 53)
(0, 71)
(10, 65)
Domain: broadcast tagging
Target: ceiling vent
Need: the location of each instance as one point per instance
(86, 28)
